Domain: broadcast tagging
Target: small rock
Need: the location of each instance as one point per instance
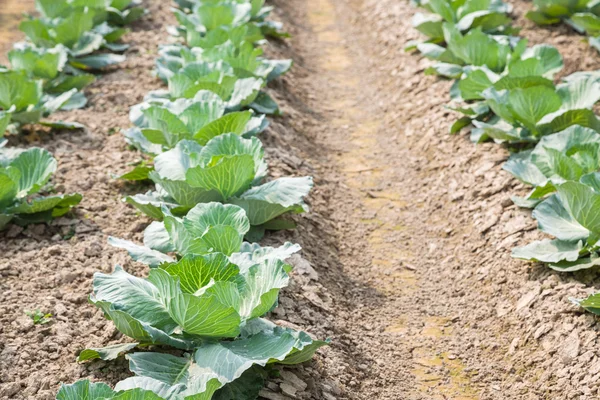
(93, 250)
(527, 299)
(303, 267)
(272, 395)
(14, 231)
(288, 389)
(570, 348)
(9, 389)
(291, 378)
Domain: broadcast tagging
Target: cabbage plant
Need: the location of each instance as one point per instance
(161, 124)
(238, 93)
(197, 18)
(582, 15)
(535, 108)
(81, 31)
(569, 216)
(245, 59)
(23, 174)
(50, 66)
(200, 232)
(489, 16)
(569, 155)
(228, 169)
(22, 102)
(207, 303)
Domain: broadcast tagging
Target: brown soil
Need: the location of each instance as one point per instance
(11, 15)
(406, 263)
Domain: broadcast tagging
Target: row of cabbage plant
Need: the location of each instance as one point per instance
(197, 321)
(506, 92)
(46, 74)
(48, 71)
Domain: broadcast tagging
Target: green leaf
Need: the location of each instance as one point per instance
(430, 25)
(85, 390)
(581, 202)
(97, 61)
(195, 271)
(43, 209)
(577, 265)
(549, 251)
(554, 218)
(17, 90)
(203, 217)
(142, 254)
(270, 200)
(530, 105)
(203, 315)
(235, 122)
(138, 173)
(107, 353)
(228, 175)
(260, 291)
(137, 297)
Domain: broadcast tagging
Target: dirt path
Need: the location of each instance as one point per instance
(427, 302)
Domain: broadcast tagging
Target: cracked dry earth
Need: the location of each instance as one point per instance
(406, 263)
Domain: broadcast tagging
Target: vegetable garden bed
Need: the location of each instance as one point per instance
(167, 156)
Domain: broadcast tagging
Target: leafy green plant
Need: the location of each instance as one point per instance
(22, 102)
(557, 158)
(523, 67)
(161, 124)
(39, 317)
(526, 109)
(24, 173)
(489, 16)
(50, 66)
(208, 303)
(581, 15)
(228, 169)
(81, 29)
(568, 216)
(242, 57)
(197, 18)
(220, 78)
(124, 12)
(208, 227)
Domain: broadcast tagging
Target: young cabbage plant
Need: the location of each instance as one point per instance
(226, 369)
(564, 156)
(227, 169)
(125, 12)
(23, 102)
(208, 227)
(571, 216)
(161, 124)
(490, 16)
(465, 50)
(533, 66)
(50, 66)
(23, 174)
(200, 18)
(85, 389)
(208, 303)
(583, 16)
(531, 108)
(220, 78)
(82, 32)
(243, 57)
